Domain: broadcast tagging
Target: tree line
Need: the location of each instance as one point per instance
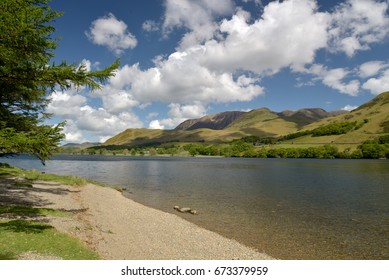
(247, 147)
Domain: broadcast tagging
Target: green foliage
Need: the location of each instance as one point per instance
(330, 129)
(383, 139)
(385, 126)
(33, 175)
(251, 139)
(20, 236)
(334, 129)
(26, 77)
(371, 150)
(325, 151)
(40, 141)
(239, 148)
(295, 135)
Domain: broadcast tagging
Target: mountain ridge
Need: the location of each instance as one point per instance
(214, 121)
(264, 123)
(225, 119)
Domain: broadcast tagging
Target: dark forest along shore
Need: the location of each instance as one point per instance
(287, 208)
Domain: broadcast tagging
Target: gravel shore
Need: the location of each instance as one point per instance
(121, 229)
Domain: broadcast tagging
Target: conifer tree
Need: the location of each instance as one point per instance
(28, 75)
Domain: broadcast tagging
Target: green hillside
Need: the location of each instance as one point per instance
(372, 121)
(369, 121)
(143, 136)
(262, 123)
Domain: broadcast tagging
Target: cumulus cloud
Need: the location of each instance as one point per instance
(196, 16)
(371, 68)
(156, 125)
(338, 78)
(116, 101)
(179, 113)
(349, 108)
(65, 103)
(112, 33)
(182, 79)
(83, 119)
(356, 24)
(150, 26)
(378, 85)
(288, 33)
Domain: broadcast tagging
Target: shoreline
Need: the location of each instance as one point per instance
(118, 228)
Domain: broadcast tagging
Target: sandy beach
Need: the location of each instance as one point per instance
(118, 228)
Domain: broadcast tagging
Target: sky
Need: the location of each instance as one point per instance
(183, 59)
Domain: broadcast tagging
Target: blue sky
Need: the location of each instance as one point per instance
(183, 59)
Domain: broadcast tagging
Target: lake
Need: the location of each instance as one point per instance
(288, 208)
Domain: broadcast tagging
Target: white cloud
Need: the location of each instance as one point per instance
(349, 108)
(111, 33)
(150, 26)
(181, 79)
(152, 115)
(85, 121)
(337, 78)
(207, 73)
(66, 104)
(87, 64)
(183, 112)
(378, 85)
(116, 101)
(196, 16)
(73, 134)
(356, 24)
(156, 125)
(179, 113)
(371, 68)
(288, 33)
(334, 79)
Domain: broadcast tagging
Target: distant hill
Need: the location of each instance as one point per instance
(306, 116)
(372, 116)
(74, 146)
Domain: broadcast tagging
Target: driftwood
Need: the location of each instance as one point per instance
(185, 210)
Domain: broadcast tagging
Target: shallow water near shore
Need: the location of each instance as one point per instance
(287, 208)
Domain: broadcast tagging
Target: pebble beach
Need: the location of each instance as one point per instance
(118, 228)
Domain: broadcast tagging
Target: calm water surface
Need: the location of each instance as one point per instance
(288, 208)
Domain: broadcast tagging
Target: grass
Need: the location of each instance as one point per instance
(31, 211)
(20, 234)
(34, 175)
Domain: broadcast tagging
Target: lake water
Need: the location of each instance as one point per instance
(288, 208)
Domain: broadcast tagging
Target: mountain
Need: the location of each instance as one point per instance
(372, 119)
(215, 121)
(306, 116)
(75, 146)
(144, 136)
(372, 116)
(260, 121)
